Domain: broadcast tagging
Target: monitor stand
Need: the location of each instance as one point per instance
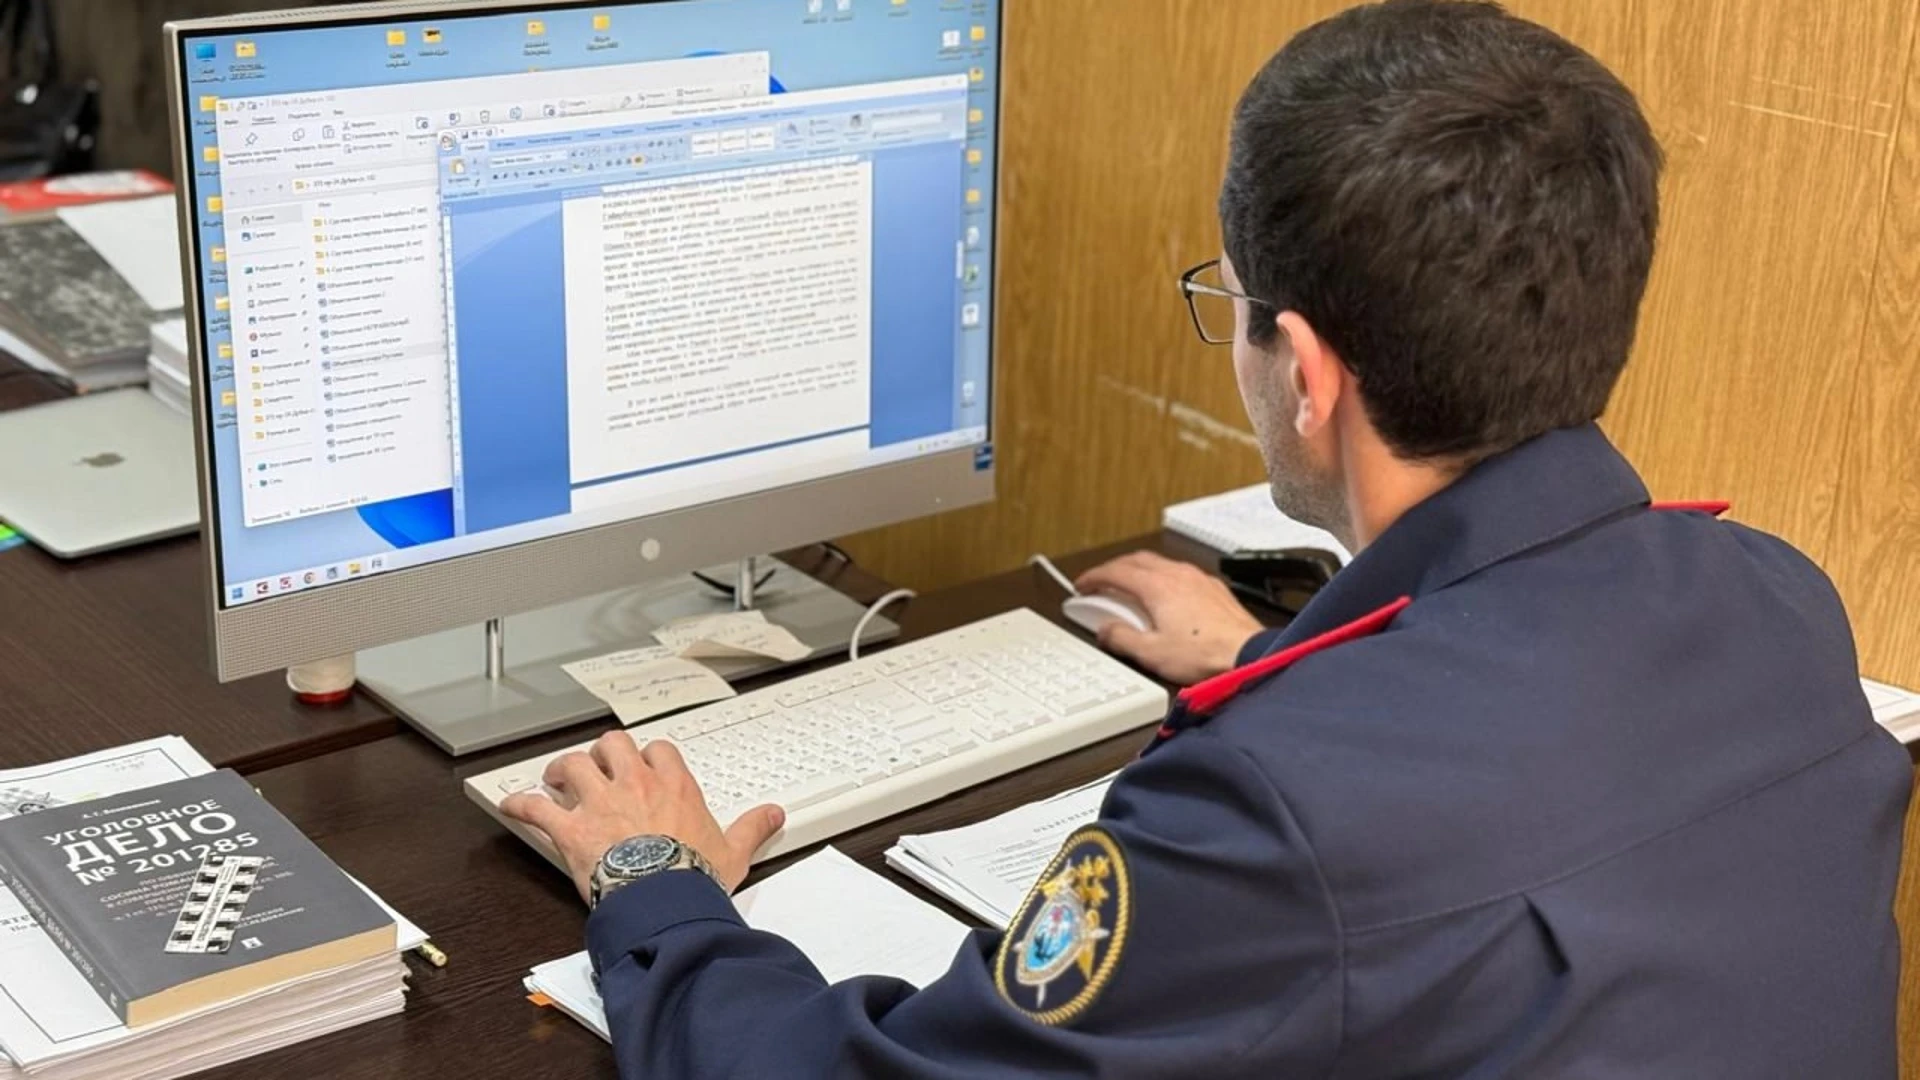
(440, 684)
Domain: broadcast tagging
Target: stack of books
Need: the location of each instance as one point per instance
(82, 285)
(158, 918)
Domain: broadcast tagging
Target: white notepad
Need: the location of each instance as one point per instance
(1246, 520)
(845, 918)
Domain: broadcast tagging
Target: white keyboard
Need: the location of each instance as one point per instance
(853, 744)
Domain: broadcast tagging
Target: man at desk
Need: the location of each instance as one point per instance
(1547, 783)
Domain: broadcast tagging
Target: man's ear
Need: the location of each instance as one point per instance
(1316, 376)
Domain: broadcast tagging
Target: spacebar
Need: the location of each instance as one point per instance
(816, 790)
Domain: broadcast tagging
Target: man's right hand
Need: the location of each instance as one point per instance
(1198, 627)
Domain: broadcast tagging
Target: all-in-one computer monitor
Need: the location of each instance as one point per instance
(500, 306)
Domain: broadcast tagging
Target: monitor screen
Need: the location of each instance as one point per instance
(474, 280)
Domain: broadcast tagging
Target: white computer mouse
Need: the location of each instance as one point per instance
(1093, 612)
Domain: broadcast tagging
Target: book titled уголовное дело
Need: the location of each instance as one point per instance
(111, 879)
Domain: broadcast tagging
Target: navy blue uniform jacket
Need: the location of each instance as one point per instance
(1604, 800)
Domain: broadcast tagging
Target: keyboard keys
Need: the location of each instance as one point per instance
(1077, 701)
(933, 727)
(897, 723)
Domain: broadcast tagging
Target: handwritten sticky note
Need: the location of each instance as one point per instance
(641, 684)
(731, 636)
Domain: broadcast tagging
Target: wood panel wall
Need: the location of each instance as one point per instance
(1776, 364)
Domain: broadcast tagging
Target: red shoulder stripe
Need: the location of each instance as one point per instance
(1716, 507)
(1203, 698)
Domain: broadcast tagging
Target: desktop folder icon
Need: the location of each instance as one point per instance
(221, 303)
(207, 102)
(973, 196)
(979, 33)
(226, 351)
(214, 203)
(978, 75)
(976, 116)
(536, 28)
(219, 254)
(211, 153)
(603, 22)
(430, 35)
(974, 157)
(396, 38)
(243, 50)
(226, 397)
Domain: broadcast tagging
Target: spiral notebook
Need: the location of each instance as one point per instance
(1246, 520)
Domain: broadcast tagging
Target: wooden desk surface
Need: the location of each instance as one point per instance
(392, 813)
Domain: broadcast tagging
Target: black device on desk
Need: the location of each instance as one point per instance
(1284, 579)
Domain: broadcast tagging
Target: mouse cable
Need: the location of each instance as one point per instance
(860, 628)
(1053, 572)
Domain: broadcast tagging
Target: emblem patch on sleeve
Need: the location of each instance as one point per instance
(1062, 947)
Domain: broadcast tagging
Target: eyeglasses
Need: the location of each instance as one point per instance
(1211, 303)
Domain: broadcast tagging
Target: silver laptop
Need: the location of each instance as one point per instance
(97, 472)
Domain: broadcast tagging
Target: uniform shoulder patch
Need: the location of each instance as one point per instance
(1063, 945)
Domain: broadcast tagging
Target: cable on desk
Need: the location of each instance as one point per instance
(1053, 572)
(860, 628)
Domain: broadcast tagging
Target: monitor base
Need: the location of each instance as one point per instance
(439, 683)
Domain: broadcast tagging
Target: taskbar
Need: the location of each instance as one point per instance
(314, 577)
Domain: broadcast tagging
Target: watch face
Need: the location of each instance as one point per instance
(641, 855)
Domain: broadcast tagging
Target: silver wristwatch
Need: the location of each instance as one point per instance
(638, 857)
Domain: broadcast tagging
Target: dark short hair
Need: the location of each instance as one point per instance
(1462, 203)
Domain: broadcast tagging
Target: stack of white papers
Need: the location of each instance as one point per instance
(53, 1024)
(845, 918)
(167, 377)
(988, 868)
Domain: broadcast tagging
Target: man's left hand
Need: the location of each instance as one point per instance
(619, 791)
